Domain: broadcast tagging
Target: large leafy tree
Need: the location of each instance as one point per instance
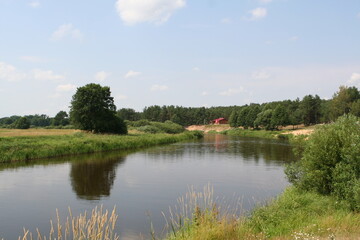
(93, 109)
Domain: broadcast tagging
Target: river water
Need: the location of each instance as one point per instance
(141, 184)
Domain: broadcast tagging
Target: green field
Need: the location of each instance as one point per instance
(23, 148)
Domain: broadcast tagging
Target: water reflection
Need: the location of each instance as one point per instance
(94, 177)
(250, 149)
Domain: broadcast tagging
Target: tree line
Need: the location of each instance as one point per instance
(311, 109)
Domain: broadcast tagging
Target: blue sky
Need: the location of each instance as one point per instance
(175, 52)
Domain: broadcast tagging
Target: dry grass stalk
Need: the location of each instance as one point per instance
(99, 225)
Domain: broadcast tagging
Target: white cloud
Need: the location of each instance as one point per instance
(355, 77)
(101, 76)
(232, 91)
(358, 15)
(155, 11)
(131, 74)
(265, 1)
(65, 88)
(195, 69)
(121, 97)
(257, 14)
(226, 21)
(66, 31)
(294, 38)
(261, 75)
(33, 59)
(159, 88)
(10, 73)
(44, 75)
(204, 93)
(34, 4)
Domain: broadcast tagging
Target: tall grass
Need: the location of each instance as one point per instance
(292, 215)
(199, 215)
(98, 225)
(14, 149)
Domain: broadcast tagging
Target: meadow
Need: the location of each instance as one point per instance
(30, 144)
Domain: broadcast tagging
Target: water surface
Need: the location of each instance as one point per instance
(140, 184)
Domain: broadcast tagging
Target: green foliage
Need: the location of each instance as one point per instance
(242, 117)
(93, 109)
(22, 123)
(128, 114)
(61, 119)
(342, 101)
(279, 117)
(156, 127)
(233, 119)
(331, 161)
(14, 149)
(264, 119)
(310, 109)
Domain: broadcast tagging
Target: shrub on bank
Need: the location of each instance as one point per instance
(156, 127)
(331, 162)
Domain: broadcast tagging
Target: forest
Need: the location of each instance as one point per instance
(309, 110)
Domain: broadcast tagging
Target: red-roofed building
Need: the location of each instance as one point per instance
(219, 121)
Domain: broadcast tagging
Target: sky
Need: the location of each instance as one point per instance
(189, 53)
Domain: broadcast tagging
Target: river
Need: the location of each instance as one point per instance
(141, 184)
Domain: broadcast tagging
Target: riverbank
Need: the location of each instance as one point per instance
(292, 215)
(283, 133)
(24, 148)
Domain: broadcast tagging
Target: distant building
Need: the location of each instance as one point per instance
(219, 121)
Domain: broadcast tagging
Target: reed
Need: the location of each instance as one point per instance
(98, 225)
(198, 215)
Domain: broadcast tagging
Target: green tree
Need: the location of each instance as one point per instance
(242, 117)
(310, 108)
(22, 123)
(355, 108)
(93, 109)
(233, 119)
(279, 117)
(342, 101)
(264, 119)
(252, 115)
(331, 161)
(61, 119)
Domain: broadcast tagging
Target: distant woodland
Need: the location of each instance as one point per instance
(308, 111)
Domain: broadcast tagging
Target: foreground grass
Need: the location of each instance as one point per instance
(13, 149)
(293, 215)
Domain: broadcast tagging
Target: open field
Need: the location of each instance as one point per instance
(23, 148)
(4, 132)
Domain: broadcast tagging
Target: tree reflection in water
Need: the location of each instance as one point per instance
(92, 178)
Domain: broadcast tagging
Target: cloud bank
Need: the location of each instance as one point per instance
(154, 11)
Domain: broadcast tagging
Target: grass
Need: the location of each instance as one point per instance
(23, 148)
(98, 225)
(199, 216)
(292, 215)
(35, 132)
(252, 133)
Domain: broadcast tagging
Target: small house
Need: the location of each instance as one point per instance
(219, 121)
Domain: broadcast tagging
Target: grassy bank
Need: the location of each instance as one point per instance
(254, 133)
(292, 215)
(24, 148)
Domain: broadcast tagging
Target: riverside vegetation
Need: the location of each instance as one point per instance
(24, 148)
(323, 203)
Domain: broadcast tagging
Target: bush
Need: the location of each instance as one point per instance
(149, 129)
(331, 161)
